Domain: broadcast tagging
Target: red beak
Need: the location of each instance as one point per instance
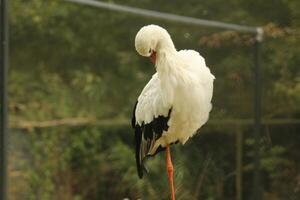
(153, 57)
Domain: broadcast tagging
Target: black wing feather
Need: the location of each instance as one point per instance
(145, 137)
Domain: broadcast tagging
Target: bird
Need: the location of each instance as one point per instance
(174, 104)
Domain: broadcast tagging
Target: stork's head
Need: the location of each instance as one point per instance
(152, 39)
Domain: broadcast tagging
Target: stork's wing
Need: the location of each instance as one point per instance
(150, 119)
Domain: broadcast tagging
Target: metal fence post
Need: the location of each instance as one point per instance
(3, 96)
(258, 186)
(239, 163)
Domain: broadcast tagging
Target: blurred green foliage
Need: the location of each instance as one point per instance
(71, 61)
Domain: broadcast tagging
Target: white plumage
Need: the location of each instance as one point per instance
(180, 92)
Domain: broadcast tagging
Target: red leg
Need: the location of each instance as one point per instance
(170, 172)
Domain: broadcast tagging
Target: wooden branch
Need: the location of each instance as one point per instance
(73, 122)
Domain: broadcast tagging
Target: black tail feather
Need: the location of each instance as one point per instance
(145, 137)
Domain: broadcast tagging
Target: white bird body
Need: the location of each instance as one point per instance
(178, 94)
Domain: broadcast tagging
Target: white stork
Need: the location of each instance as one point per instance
(176, 101)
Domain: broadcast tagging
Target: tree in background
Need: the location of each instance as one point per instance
(75, 62)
